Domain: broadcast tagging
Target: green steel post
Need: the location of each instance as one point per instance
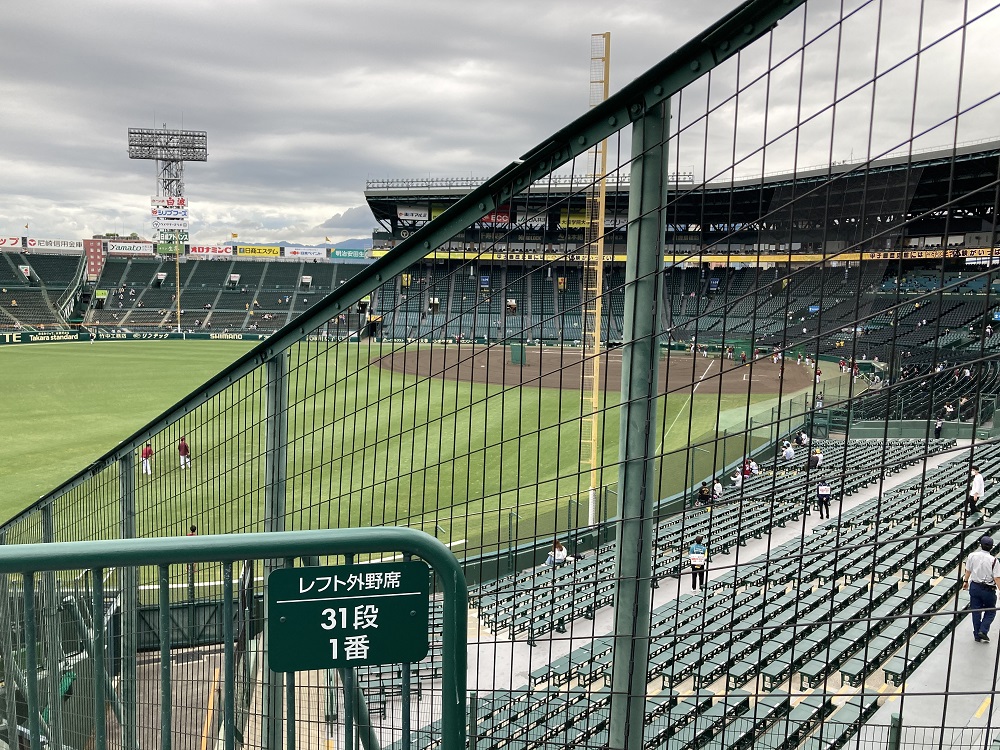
(130, 608)
(473, 730)
(100, 676)
(272, 683)
(290, 693)
(86, 638)
(7, 644)
(347, 680)
(53, 644)
(404, 697)
(290, 711)
(229, 658)
(640, 365)
(166, 704)
(895, 731)
(31, 662)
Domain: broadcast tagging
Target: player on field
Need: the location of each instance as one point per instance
(147, 459)
(185, 453)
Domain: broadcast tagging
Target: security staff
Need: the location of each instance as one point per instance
(982, 576)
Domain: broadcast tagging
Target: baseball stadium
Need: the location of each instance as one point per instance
(679, 430)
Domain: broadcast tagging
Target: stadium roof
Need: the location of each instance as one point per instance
(905, 184)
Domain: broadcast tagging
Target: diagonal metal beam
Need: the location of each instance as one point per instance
(718, 42)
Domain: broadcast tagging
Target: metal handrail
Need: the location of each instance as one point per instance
(28, 559)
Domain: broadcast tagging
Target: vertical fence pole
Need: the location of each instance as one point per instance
(275, 459)
(895, 731)
(636, 487)
(53, 642)
(166, 703)
(100, 674)
(229, 658)
(130, 607)
(6, 633)
(31, 662)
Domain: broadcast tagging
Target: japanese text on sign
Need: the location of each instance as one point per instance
(347, 615)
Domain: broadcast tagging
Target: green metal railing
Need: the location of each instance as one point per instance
(23, 562)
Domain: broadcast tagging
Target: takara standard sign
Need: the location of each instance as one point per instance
(347, 615)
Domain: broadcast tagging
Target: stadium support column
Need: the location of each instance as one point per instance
(640, 364)
(130, 607)
(53, 633)
(276, 455)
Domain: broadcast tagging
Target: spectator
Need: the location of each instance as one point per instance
(717, 489)
(976, 492)
(557, 556)
(938, 424)
(789, 452)
(704, 494)
(816, 459)
(981, 581)
(697, 556)
(802, 439)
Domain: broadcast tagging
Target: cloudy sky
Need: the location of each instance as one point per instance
(305, 100)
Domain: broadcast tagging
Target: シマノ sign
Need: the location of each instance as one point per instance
(325, 617)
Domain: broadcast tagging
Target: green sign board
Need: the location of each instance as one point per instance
(323, 617)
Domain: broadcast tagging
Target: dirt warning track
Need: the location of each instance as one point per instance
(558, 367)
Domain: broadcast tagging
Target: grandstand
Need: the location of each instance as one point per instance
(851, 303)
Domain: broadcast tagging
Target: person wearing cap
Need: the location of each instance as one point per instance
(697, 554)
(816, 459)
(976, 492)
(982, 576)
(185, 453)
(789, 452)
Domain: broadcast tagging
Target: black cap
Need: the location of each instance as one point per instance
(986, 542)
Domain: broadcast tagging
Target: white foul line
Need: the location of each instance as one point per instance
(681, 411)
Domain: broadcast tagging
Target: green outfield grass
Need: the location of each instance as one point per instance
(366, 446)
(66, 404)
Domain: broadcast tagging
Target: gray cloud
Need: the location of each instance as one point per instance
(305, 100)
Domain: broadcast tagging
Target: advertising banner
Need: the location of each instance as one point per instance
(160, 212)
(500, 216)
(169, 248)
(305, 252)
(129, 248)
(10, 243)
(437, 210)
(412, 213)
(573, 219)
(170, 224)
(218, 250)
(358, 254)
(168, 202)
(259, 251)
(37, 244)
(181, 236)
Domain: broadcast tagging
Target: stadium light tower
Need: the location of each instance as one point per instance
(169, 149)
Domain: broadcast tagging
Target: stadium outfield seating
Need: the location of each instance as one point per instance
(762, 681)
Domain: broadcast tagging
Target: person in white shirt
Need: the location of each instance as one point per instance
(557, 557)
(982, 576)
(788, 453)
(976, 492)
(717, 489)
(754, 468)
